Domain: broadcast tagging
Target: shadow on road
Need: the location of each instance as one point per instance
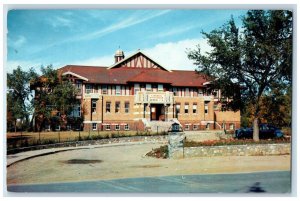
(256, 188)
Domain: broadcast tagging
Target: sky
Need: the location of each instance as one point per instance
(91, 37)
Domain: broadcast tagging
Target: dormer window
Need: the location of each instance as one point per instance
(160, 87)
(88, 89)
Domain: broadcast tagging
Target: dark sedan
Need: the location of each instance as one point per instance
(266, 131)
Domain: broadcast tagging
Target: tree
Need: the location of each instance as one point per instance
(55, 96)
(257, 58)
(19, 95)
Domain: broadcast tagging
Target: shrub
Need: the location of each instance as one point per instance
(161, 152)
(233, 142)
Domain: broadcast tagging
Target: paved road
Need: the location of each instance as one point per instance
(261, 182)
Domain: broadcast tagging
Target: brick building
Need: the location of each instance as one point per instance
(137, 93)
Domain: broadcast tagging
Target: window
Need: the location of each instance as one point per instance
(94, 105)
(117, 127)
(207, 126)
(94, 126)
(175, 127)
(117, 107)
(195, 127)
(57, 127)
(107, 127)
(136, 88)
(194, 108)
(148, 87)
(126, 107)
(175, 91)
(76, 111)
(47, 127)
(177, 109)
(78, 86)
(108, 107)
(118, 90)
(126, 127)
(186, 108)
(200, 92)
(187, 127)
(104, 89)
(160, 87)
(206, 107)
(187, 92)
(231, 126)
(88, 89)
(95, 89)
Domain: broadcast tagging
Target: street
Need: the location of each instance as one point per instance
(260, 182)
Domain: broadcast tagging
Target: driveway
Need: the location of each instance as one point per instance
(129, 161)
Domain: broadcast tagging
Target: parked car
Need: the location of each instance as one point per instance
(266, 131)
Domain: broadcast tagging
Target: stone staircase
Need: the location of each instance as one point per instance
(159, 126)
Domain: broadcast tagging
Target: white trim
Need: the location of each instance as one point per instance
(139, 51)
(206, 83)
(76, 75)
(89, 122)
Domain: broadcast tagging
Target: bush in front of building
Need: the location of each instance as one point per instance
(160, 152)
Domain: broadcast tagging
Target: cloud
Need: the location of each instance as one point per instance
(174, 31)
(171, 55)
(25, 65)
(18, 42)
(107, 60)
(58, 21)
(130, 21)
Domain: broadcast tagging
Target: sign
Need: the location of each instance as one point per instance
(156, 98)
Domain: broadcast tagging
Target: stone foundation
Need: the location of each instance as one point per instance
(233, 150)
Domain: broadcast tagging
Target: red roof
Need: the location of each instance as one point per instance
(103, 75)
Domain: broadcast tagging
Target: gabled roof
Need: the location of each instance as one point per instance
(104, 75)
(139, 52)
(76, 75)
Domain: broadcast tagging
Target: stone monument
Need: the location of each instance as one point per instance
(175, 143)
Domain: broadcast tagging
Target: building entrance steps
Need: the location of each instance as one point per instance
(159, 126)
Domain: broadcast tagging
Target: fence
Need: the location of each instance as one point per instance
(25, 139)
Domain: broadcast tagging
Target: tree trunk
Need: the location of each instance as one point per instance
(255, 130)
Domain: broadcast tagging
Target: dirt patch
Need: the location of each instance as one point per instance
(82, 161)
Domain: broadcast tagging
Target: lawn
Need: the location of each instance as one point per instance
(24, 139)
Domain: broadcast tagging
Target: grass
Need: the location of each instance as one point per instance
(25, 139)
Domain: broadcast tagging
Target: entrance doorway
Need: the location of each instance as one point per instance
(157, 112)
